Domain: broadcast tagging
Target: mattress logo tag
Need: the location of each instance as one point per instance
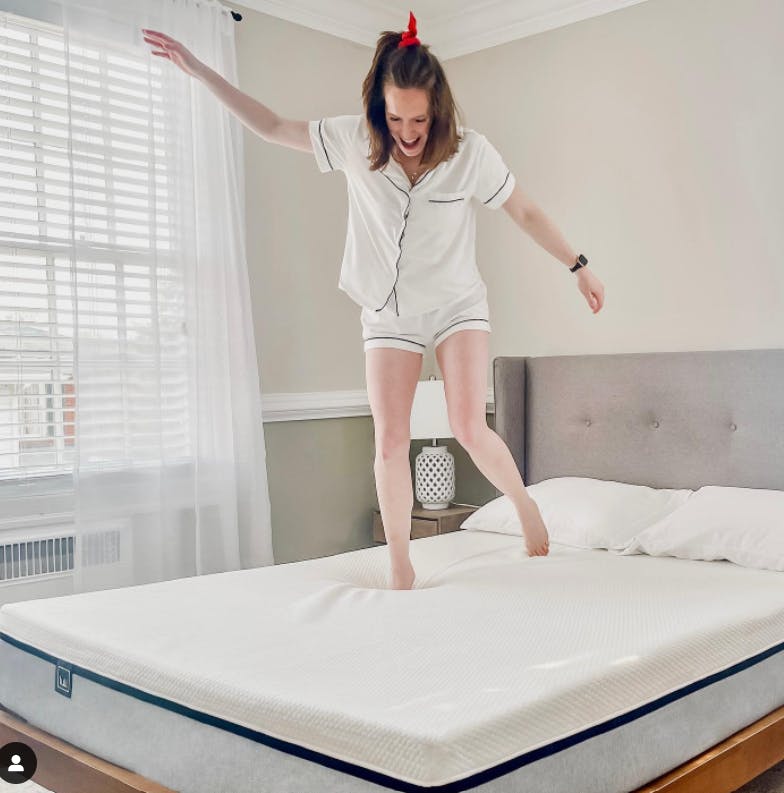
(62, 678)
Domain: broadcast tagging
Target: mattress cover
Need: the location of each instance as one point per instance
(492, 656)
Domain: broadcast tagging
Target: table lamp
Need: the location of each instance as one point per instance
(434, 465)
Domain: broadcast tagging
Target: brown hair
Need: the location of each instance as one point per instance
(409, 67)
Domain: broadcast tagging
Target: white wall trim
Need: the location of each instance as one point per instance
(325, 405)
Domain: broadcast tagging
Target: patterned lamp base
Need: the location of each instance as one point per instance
(435, 477)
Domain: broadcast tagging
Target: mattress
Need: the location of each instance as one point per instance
(580, 671)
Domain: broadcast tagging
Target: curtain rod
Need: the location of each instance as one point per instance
(236, 14)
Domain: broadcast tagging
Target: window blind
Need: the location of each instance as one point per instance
(93, 335)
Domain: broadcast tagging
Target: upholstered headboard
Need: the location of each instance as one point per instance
(662, 419)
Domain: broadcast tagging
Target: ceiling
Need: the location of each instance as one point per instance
(450, 27)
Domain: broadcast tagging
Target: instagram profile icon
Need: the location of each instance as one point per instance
(17, 763)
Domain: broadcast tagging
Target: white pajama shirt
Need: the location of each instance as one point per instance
(410, 247)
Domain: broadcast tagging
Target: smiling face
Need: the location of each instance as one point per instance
(408, 119)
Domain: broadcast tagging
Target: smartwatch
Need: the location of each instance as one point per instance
(581, 262)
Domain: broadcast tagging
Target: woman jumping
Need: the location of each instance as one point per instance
(410, 259)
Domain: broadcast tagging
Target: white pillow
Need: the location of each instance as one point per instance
(584, 512)
(741, 524)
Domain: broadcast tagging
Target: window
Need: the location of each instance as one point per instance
(93, 332)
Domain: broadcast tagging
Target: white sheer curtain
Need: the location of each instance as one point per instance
(137, 359)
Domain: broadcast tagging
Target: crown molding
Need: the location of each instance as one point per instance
(479, 27)
(326, 405)
(451, 34)
(354, 20)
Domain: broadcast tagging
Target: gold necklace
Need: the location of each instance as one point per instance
(411, 178)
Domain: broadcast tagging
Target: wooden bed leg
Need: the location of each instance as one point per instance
(731, 763)
(64, 768)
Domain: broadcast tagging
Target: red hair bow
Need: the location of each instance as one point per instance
(409, 36)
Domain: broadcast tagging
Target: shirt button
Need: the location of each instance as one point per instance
(655, 423)
(733, 427)
(587, 422)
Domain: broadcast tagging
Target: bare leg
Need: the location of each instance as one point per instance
(392, 375)
(462, 358)
(492, 457)
(395, 499)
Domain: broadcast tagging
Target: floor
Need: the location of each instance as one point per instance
(772, 781)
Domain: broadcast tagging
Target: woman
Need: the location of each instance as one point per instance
(409, 258)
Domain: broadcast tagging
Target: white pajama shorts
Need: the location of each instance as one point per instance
(385, 329)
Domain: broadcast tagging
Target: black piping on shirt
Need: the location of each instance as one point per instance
(399, 246)
(498, 191)
(321, 137)
(403, 232)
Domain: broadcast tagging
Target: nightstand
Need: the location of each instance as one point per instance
(426, 522)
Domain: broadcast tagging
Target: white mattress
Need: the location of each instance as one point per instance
(491, 655)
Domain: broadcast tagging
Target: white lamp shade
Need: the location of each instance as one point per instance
(429, 417)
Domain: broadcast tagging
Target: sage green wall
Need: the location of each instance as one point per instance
(322, 485)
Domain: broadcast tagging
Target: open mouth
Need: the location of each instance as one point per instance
(409, 145)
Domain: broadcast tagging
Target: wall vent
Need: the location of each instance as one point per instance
(38, 557)
(35, 558)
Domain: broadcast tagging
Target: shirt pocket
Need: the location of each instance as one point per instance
(447, 213)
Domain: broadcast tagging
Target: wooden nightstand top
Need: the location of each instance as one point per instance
(419, 512)
(426, 522)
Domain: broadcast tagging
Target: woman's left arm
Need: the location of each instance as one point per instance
(533, 221)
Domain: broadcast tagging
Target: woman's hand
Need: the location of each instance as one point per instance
(177, 53)
(591, 287)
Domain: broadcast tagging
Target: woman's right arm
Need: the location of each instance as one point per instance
(252, 113)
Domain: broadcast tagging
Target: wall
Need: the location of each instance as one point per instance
(650, 137)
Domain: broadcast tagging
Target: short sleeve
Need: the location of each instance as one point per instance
(333, 138)
(494, 182)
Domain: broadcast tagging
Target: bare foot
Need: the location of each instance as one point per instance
(403, 575)
(537, 541)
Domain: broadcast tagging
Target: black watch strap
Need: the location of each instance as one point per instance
(581, 262)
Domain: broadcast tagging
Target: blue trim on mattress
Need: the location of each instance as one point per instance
(383, 779)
